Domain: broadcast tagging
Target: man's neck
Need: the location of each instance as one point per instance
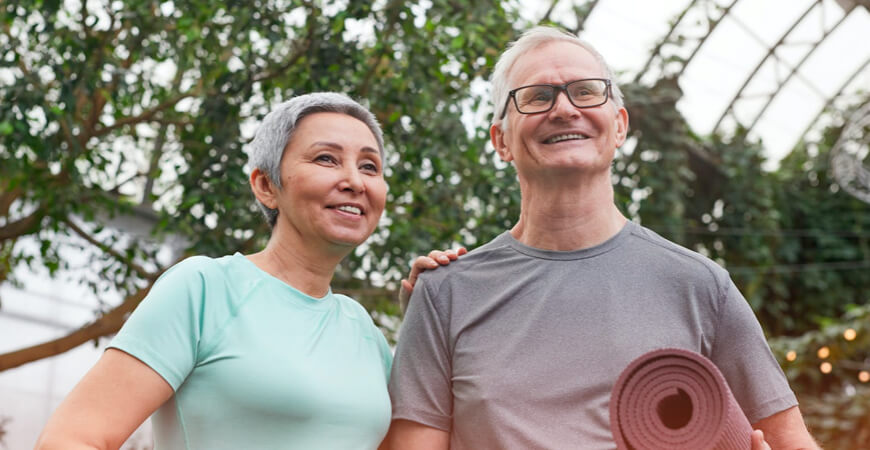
(567, 217)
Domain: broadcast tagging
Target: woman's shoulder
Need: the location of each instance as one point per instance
(196, 276)
(206, 266)
(351, 307)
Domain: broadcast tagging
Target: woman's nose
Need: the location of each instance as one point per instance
(352, 180)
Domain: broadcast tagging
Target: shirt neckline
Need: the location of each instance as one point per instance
(566, 255)
(324, 301)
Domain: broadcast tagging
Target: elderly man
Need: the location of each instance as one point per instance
(518, 344)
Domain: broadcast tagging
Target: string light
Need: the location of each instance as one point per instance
(850, 334)
(863, 376)
(824, 352)
(826, 367)
(791, 355)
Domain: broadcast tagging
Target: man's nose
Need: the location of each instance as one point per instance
(563, 106)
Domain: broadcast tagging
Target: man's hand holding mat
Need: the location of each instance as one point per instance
(676, 399)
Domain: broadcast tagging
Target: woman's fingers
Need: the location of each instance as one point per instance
(431, 261)
(444, 257)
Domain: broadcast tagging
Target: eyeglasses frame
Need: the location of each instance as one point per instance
(512, 94)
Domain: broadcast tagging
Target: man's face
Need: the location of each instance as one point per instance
(566, 138)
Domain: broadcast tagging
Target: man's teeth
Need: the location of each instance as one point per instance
(350, 209)
(564, 137)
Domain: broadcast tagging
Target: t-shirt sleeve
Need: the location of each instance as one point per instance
(741, 353)
(386, 355)
(163, 331)
(420, 384)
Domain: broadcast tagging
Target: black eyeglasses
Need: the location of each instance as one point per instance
(538, 98)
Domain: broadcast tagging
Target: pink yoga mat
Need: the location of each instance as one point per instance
(676, 399)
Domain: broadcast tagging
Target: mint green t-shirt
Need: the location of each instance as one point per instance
(257, 364)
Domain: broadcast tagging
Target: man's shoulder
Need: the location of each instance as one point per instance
(673, 255)
(474, 261)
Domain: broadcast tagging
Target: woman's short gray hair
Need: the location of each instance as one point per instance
(267, 148)
(530, 40)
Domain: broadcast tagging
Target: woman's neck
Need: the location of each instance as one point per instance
(307, 269)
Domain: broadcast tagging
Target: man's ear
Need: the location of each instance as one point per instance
(263, 188)
(496, 135)
(621, 128)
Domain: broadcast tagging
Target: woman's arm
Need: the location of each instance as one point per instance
(107, 405)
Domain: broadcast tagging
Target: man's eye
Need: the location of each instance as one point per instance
(537, 97)
(541, 96)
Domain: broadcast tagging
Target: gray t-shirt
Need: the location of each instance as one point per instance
(516, 347)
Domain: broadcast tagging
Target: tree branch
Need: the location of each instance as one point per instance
(154, 163)
(22, 66)
(26, 225)
(546, 17)
(145, 116)
(299, 50)
(7, 198)
(107, 249)
(106, 324)
(100, 96)
(389, 27)
(581, 21)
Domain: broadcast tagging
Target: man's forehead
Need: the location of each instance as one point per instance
(568, 55)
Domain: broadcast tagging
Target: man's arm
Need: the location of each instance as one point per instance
(435, 259)
(406, 434)
(420, 383)
(786, 429)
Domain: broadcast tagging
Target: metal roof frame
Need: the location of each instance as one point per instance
(772, 56)
(714, 12)
(857, 182)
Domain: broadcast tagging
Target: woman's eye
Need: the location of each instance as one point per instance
(370, 167)
(325, 158)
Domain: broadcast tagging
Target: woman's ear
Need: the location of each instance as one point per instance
(263, 188)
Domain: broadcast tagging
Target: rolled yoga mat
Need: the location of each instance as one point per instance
(676, 399)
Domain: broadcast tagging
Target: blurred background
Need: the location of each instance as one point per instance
(123, 126)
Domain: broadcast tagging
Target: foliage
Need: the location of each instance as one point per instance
(110, 109)
(829, 370)
(113, 109)
(795, 244)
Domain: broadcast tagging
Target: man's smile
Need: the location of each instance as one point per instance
(565, 137)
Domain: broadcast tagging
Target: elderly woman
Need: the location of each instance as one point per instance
(256, 351)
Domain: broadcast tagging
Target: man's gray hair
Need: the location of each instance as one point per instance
(530, 40)
(274, 133)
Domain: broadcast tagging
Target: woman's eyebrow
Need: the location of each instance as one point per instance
(327, 144)
(336, 146)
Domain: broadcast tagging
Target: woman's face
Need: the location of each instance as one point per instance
(333, 181)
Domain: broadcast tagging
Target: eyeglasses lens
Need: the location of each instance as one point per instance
(539, 98)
